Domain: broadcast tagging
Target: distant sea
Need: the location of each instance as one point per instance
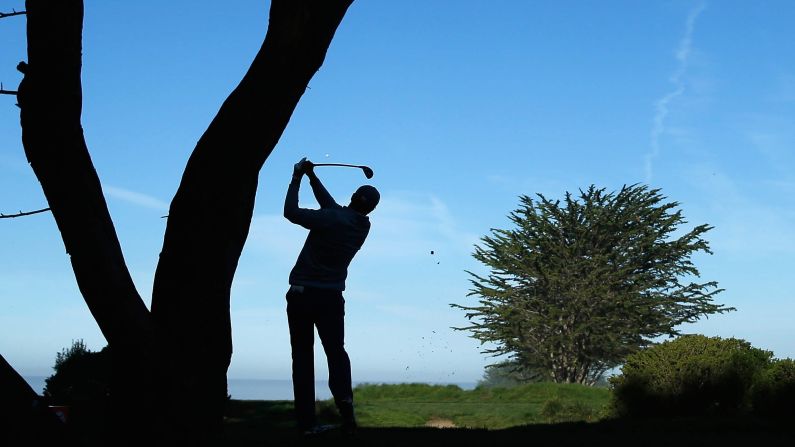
(262, 389)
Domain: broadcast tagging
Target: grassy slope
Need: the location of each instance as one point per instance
(414, 405)
(395, 415)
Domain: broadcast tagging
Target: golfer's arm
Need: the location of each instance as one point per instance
(291, 200)
(309, 219)
(322, 195)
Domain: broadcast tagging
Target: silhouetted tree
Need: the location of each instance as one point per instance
(79, 375)
(169, 365)
(579, 285)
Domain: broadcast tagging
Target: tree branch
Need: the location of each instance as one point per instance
(50, 99)
(13, 12)
(22, 213)
(25, 417)
(3, 91)
(201, 248)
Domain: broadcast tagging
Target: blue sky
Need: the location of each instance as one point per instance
(459, 107)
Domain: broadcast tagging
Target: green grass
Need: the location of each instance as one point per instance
(536, 414)
(415, 405)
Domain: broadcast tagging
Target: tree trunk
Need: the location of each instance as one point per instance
(50, 99)
(24, 419)
(187, 340)
(210, 214)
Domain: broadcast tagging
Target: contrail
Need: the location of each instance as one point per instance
(661, 105)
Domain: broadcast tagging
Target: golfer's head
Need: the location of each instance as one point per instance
(365, 199)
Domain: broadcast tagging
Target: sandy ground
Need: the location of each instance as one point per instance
(440, 423)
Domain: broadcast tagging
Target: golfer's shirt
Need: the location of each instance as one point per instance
(336, 233)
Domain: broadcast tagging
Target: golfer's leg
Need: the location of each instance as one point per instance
(331, 329)
(302, 338)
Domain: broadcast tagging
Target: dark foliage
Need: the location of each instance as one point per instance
(692, 375)
(579, 285)
(80, 375)
(556, 411)
(773, 394)
(82, 383)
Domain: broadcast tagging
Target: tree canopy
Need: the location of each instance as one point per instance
(580, 284)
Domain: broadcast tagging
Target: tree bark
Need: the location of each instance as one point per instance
(50, 100)
(24, 419)
(211, 212)
(177, 355)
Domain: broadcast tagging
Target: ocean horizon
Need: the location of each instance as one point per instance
(270, 389)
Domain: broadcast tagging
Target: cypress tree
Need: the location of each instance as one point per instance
(580, 284)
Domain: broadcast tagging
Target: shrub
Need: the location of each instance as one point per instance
(80, 376)
(556, 410)
(773, 393)
(692, 375)
(82, 382)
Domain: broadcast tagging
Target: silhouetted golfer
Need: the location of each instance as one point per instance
(315, 297)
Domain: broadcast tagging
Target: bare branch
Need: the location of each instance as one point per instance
(13, 12)
(3, 91)
(23, 213)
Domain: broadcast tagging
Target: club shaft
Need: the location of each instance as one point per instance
(366, 169)
(338, 164)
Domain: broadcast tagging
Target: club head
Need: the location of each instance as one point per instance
(367, 172)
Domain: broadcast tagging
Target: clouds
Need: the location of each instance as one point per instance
(275, 236)
(397, 293)
(663, 104)
(135, 198)
(405, 225)
(410, 224)
(747, 222)
(771, 136)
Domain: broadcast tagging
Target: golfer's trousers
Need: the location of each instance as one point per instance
(324, 309)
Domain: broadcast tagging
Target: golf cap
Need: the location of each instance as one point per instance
(366, 198)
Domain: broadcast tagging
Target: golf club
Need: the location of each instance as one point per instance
(366, 169)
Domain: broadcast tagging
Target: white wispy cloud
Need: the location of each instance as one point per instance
(397, 290)
(771, 136)
(135, 198)
(405, 224)
(747, 223)
(275, 236)
(662, 105)
(410, 224)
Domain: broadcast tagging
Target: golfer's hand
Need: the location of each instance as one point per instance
(298, 169)
(308, 167)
